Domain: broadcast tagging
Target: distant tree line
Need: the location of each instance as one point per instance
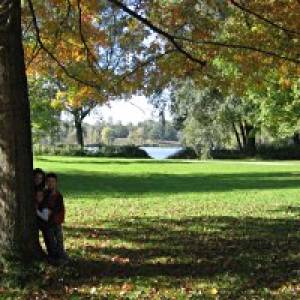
(105, 132)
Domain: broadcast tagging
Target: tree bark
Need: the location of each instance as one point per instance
(162, 118)
(250, 146)
(18, 232)
(296, 138)
(243, 133)
(248, 138)
(79, 130)
(237, 136)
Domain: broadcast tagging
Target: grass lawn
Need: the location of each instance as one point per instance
(142, 229)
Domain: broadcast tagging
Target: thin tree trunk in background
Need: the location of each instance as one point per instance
(162, 118)
(243, 133)
(250, 146)
(18, 234)
(79, 130)
(237, 136)
(296, 138)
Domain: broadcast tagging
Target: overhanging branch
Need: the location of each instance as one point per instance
(156, 29)
(174, 38)
(262, 18)
(240, 47)
(52, 56)
(91, 59)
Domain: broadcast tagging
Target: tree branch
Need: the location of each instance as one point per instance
(85, 112)
(52, 56)
(88, 52)
(156, 29)
(241, 47)
(174, 38)
(264, 19)
(146, 63)
(35, 53)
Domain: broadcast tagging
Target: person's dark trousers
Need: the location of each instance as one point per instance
(44, 228)
(54, 236)
(50, 241)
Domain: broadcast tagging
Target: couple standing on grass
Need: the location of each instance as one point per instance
(50, 212)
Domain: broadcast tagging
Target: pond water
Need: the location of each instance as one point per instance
(161, 152)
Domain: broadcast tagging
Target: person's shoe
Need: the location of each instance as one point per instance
(42, 255)
(53, 261)
(64, 256)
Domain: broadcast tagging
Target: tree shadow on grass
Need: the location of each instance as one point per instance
(129, 185)
(116, 161)
(260, 253)
(294, 210)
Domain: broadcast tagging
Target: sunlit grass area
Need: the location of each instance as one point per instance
(145, 229)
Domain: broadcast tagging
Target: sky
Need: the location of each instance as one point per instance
(134, 110)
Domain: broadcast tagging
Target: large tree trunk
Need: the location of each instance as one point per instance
(18, 234)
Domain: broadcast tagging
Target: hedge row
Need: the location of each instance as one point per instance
(102, 151)
(272, 152)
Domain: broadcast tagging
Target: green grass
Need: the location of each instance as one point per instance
(140, 229)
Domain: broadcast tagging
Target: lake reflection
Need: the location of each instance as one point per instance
(161, 152)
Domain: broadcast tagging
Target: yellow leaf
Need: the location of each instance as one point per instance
(213, 291)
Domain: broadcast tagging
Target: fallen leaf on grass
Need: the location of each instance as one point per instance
(93, 291)
(120, 260)
(213, 291)
(127, 287)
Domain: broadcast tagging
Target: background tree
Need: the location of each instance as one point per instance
(279, 109)
(137, 136)
(45, 120)
(79, 101)
(119, 130)
(215, 118)
(107, 136)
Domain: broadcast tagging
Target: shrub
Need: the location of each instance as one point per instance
(228, 154)
(64, 150)
(123, 152)
(280, 152)
(103, 151)
(275, 151)
(186, 153)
